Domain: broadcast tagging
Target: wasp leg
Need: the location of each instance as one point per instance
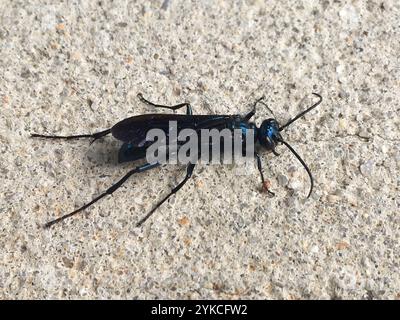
(189, 110)
(95, 136)
(189, 172)
(275, 153)
(110, 190)
(259, 166)
(248, 116)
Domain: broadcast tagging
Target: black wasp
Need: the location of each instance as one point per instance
(132, 132)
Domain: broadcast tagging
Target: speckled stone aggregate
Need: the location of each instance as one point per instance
(77, 66)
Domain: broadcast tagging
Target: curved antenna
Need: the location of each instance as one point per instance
(302, 162)
(302, 113)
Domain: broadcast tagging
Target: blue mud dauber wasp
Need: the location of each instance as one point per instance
(132, 132)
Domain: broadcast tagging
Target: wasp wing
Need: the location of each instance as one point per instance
(134, 129)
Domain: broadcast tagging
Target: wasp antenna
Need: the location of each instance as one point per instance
(302, 162)
(302, 113)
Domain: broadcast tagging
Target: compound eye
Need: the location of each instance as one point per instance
(272, 132)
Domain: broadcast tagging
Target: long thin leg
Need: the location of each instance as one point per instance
(174, 107)
(268, 108)
(110, 190)
(95, 136)
(253, 112)
(189, 172)
(259, 166)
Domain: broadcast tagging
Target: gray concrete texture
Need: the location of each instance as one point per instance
(76, 67)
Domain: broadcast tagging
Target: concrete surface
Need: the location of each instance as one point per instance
(76, 67)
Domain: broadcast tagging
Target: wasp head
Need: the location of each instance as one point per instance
(268, 134)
